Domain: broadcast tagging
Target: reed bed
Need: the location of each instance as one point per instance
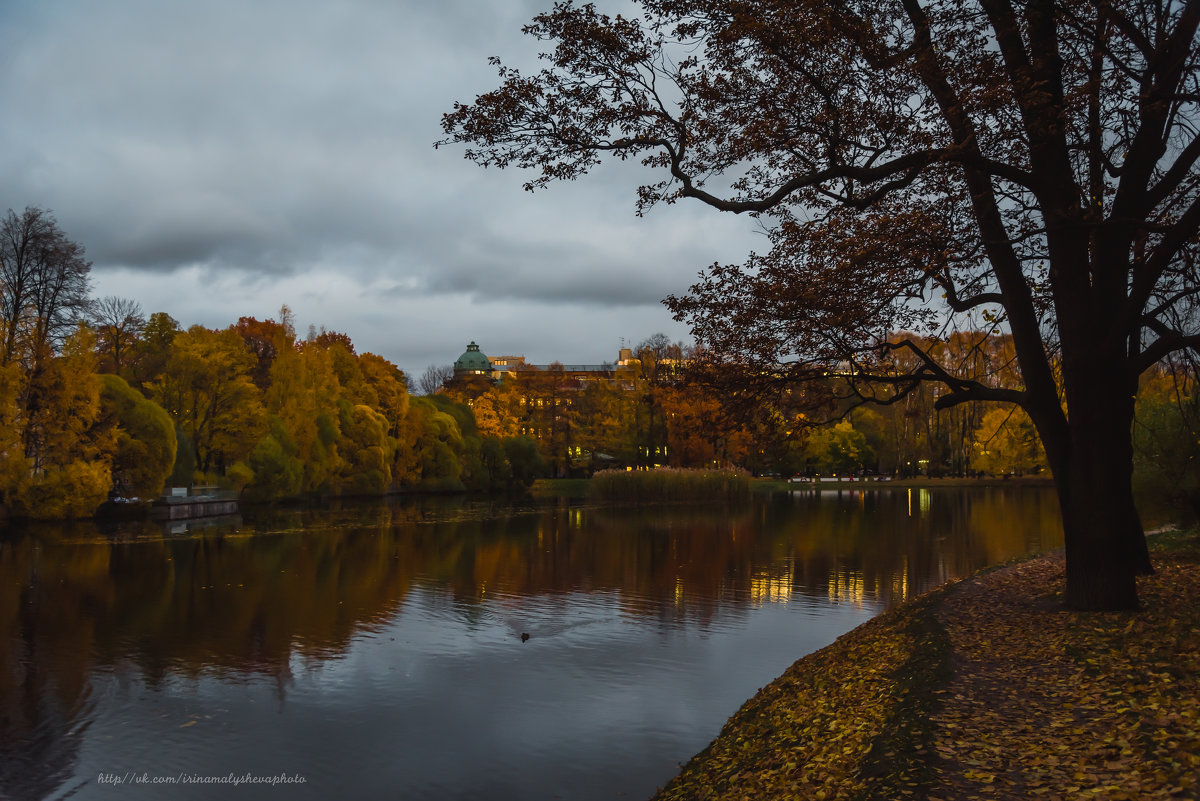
(669, 485)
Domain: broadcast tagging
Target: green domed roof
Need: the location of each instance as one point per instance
(472, 361)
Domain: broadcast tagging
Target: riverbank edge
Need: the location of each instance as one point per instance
(575, 489)
(912, 703)
(917, 482)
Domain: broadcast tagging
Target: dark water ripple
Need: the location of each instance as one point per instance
(376, 650)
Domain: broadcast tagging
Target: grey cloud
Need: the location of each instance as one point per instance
(268, 143)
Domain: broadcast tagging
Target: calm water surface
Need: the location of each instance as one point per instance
(376, 650)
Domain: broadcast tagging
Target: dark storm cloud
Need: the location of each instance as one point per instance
(275, 142)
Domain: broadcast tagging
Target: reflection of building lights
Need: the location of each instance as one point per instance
(766, 588)
(847, 586)
(679, 591)
(576, 519)
(926, 500)
(900, 581)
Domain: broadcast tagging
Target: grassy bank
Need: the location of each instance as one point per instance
(985, 688)
(668, 485)
(560, 488)
(578, 487)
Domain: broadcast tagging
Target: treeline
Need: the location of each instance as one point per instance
(657, 410)
(1166, 437)
(98, 400)
(250, 408)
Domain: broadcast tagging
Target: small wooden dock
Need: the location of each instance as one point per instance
(180, 503)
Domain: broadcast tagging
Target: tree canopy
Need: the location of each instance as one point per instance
(43, 286)
(918, 166)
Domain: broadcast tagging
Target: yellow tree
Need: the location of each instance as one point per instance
(915, 164)
(64, 469)
(497, 411)
(144, 448)
(388, 392)
(604, 427)
(695, 436)
(13, 464)
(206, 388)
(150, 353)
(1006, 442)
(546, 399)
(431, 455)
(304, 396)
(1167, 438)
(838, 448)
(367, 450)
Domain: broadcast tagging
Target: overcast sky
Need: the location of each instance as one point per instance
(223, 158)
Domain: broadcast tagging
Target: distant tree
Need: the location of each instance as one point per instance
(305, 396)
(1033, 166)
(145, 445)
(263, 338)
(43, 286)
(1007, 443)
(549, 414)
(64, 469)
(525, 462)
(838, 449)
(367, 450)
(14, 467)
(119, 323)
(387, 381)
(657, 362)
(278, 472)
(150, 355)
(205, 386)
(326, 338)
(605, 422)
(434, 378)
(497, 410)
(431, 459)
(1166, 440)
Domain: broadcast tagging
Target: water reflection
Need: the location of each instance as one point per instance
(418, 608)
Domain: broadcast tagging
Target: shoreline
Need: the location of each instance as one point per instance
(985, 687)
(922, 482)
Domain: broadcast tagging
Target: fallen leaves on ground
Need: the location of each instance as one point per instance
(986, 689)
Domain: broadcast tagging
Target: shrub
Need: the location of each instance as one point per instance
(669, 485)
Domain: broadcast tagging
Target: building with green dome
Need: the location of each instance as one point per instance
(472, 362)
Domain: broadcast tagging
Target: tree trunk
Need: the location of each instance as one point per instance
(1105, 544)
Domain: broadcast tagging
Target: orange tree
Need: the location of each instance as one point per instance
(920, 164)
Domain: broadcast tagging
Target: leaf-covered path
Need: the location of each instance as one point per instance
(984, 689)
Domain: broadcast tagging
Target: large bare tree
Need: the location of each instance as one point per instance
(119, 323)
(434, 379)
(1029, 166)
(43, 286)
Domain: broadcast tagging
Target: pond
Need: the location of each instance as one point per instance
(445, 649)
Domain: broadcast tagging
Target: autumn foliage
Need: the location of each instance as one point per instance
(123, 404)
(985, 688)
(667, 485)
(916, 165)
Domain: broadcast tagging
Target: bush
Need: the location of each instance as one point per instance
(669, 485)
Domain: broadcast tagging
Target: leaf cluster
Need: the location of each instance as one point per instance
(984, 689)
